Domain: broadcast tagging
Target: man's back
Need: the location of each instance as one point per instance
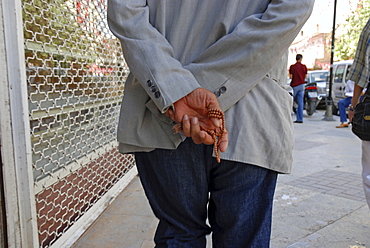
(221, 47)
(298, 72)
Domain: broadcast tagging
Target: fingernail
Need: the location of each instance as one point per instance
(194, 120)
(218, 123)
(186, 117)
(202, 135)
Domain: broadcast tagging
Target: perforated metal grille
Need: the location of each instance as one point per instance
(75, 79)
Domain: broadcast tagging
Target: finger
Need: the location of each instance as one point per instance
(186, 126)
(195, 130)
(169, 113)
(210, 123)
(224, 142)
(216, 116)
(216, 122)
(206, 138)
(350, 115)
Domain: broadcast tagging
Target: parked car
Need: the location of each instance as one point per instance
(320, 78)
(339, 79)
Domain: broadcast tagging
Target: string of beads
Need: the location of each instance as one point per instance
(217, 135)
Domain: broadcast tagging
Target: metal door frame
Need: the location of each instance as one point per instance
(14, 129)
(15, 143)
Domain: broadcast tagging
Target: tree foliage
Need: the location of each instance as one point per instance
(346, 43)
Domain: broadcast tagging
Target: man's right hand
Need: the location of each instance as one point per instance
(192, 112)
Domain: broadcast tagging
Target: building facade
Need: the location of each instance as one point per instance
(314, 40)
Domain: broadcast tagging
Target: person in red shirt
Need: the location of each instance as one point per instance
(297, 73)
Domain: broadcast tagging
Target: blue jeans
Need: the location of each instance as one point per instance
(186, 185)
(342, 105)
(298, 95)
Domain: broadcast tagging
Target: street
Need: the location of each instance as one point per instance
(320, 204)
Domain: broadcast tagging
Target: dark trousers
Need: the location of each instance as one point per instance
(186, 186)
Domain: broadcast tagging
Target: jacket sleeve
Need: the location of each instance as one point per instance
(239, 60)
(161, 75)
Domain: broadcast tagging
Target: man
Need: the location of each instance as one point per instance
(297, 73)
(189, 57)
(344, 103)
(360, 74)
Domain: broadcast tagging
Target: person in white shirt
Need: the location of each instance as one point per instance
(345, 102)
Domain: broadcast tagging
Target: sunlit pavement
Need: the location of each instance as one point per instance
(320, 204)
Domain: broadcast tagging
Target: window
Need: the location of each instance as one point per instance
(339, 73)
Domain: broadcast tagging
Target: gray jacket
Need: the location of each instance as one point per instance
(235, 48)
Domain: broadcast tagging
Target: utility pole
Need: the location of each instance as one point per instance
(329, 99)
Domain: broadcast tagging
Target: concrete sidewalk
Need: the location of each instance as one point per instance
(320, 204)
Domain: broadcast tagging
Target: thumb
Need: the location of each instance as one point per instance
(216, 121)
(224, 143)
(216, 115)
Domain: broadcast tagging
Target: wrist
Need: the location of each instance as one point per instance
(351, 107)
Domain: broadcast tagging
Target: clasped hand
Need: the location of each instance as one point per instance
(192, 112)
(351, 114)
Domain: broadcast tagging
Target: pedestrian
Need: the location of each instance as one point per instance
(201, 66)
(344, 103)
(360, 74)
(298, 72)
